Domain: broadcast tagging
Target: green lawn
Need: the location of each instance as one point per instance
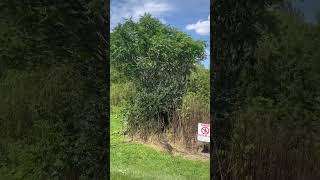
(136, 161)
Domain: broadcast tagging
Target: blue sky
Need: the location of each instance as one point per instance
(309, 8)
(190, 16)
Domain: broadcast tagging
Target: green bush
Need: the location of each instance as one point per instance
(199, 83)
(121, 93)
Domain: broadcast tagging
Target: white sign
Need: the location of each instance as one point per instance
(203, 132)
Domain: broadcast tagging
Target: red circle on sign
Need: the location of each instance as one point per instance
(205, 130)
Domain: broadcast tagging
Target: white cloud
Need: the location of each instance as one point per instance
(201, 27)
(163, 21)
(135, 8)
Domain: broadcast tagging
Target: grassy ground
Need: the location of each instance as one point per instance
(136, 161)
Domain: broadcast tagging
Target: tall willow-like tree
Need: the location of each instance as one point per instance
(158, 59)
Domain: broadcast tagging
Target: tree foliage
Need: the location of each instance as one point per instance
(158, 59)
(53, 89)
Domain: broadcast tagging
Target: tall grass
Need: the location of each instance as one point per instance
(267, 143)
(184, 121)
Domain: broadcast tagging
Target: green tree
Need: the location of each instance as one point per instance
(158, 59)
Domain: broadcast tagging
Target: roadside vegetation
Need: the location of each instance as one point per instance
(134, 160)
(53, 92)
(159, 92)
(266, 93)
(156, 72)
